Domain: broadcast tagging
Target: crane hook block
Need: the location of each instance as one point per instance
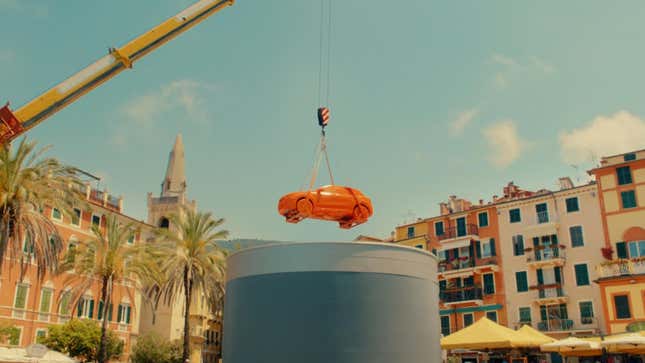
(323, 116)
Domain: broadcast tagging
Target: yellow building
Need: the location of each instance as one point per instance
(621, 278)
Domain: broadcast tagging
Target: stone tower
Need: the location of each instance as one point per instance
(173, 189)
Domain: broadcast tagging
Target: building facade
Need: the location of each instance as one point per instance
(465, 238)
(621, 276)
(550, 242)
(32, 305)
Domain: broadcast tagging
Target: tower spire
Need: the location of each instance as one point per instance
(174, 183)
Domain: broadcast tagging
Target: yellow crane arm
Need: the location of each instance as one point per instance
(37, 110)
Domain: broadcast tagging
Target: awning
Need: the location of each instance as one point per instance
(573, 346)
(465, 242)
(536, 337)
(625, 343)
(485, 334)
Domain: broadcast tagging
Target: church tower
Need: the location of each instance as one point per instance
(173, 189)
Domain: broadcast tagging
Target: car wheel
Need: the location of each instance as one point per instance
(304, 207)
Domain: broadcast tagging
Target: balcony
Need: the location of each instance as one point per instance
(470, 294)
(555, 325)
(550, 294)
(620, 268)
(541, 224)
(546, 256)
(459, 237)
(467, 266)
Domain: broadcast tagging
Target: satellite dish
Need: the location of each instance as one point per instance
(36, 350)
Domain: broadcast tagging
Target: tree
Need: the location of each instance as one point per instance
(108, 258)
(27, 184)
(152, 348)
(192, 261)
(80, 338)
(9, 334)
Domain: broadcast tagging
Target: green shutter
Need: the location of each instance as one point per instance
(442, 285)
(110, 308)
(558, 274)
(540, 276)
(79, 310)
(478, 249)
(471, 251)
(521, 281)
(64, 303)
(543, 315)
(99, 314)
(91, 312)
(119, 314)
(621, 249)
(45, 299)
(21, 297)
(582, 275)
(492, 247)
(489, 284)
(127, 315)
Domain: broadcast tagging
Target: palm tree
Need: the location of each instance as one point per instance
(192, 261)
(27, 184)
(109, 258)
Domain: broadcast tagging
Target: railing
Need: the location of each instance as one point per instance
(542, 217)
(621, 267)
(550, 292)
(461, 294)
(459, 263)
(454, 232)
(546, 253)
(555, 325)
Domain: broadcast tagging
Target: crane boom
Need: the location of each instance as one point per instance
(12, 124)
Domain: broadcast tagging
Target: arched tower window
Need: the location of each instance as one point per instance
(164, 222)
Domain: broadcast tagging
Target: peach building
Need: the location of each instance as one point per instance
(550, 241)
(621, 275)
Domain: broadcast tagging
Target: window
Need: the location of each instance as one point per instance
(445, 325)
(624, 175)
(489, 284)
(461, 226)
(582, 274)
(514, 215)
(483, 219)
(629, 199)
(28, 246)
(85, 307)
(518, 245)
(96, 220)
(123, 314)
(76, 217)
(468, 319)
(443, 255)
(438, 228)
(575, 233)
(165, 223)
(14, 339)
(492, 315)
(586, 312)
(621, 303)
(542, 213)
(410, 232)
(488, 248)
(131, 238)
(636, 249)
(629, 157)
(40, 335)
(572, 204)
(521, 281)
(21, 296)
(45, 299)
(419, 247)
(525, 315)
(64, 302)
(56, 214)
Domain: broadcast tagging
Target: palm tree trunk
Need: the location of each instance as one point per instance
(102, 356)
(188, 292)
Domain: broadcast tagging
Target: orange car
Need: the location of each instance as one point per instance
(345, 205)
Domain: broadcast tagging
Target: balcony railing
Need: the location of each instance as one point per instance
(546, 253)
(550, 292)
(542, 217)
(461, 294)
(622, 267)
(555, 325)
(456, 232)
(464, 263)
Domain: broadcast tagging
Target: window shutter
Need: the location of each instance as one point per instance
(478, 249)
(492, 247)
(543, 315)
(456, 253)
(558, 274)
(79, 309)
(536, 241)
(91, 313)
(127, 315)
(45, 298)
(119, 314)
(110, 308)
(471, 250)
(520, 243)
(442, 285)
(99, 314)
(554, 239)
(540, 276)
(621, 250)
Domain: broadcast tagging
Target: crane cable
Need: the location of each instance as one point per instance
(322, 148)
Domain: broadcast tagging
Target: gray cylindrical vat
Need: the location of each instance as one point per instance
(329, 302)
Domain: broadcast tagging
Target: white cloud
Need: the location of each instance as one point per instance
(511, 68)
(603, 136)
(183, 95)
(463, 119)
(504, 143)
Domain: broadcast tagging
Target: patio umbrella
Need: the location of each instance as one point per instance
(485, 334)
(625, 343)
(573, 347)
(536, 337)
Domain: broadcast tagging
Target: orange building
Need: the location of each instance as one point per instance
(621, 278)
(465, 238)
(31, 305)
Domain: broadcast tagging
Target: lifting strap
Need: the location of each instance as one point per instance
(322, 150)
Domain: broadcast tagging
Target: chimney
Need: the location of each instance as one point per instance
(565, 183)
(481, 202)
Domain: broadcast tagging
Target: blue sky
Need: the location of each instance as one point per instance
(428, 99)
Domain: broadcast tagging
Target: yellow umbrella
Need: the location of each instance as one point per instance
(574, 346)
(485, 334)
(625, 343)
(536, 337)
